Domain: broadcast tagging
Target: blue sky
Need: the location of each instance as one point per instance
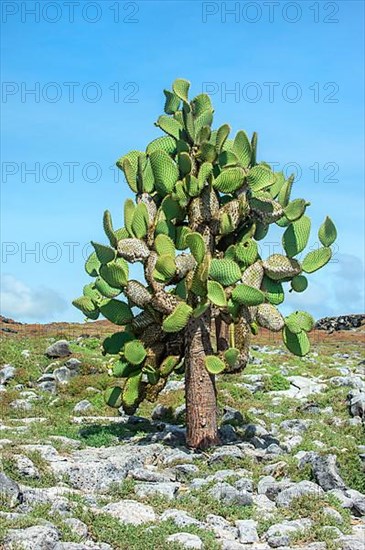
(97, 75)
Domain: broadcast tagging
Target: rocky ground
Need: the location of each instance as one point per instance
(77, 475)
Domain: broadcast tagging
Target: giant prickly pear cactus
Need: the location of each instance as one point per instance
(202, 201)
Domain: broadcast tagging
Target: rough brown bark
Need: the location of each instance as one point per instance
(200, 392)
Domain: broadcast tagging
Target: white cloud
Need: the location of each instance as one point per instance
(21, 302)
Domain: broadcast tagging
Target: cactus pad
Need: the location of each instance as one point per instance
(216, 294)
(269, 317)
(298, 344)
(225, 272)
(247, 295)
(316, 259)
(327, 233)
(214, 365)
(178, 319)
(134, 352)
(116, 311)
(296, 236)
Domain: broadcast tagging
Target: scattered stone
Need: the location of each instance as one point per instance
(349, 542)
(270, 487)
(232, 416)
(344, 322)
(227, 494)
(357, 405)
(324, 470)
(48, 386)
(83, 406)
(168, 490)
(73, 364)
(247, 532)
(78, 527)
(7, 372)
(58, 349)
(38, 537)
(295, 425)
(25, 353)
(63, 375)
(26, 467)
(186, 540)
(173, 385)
(227, 434)
(21, 405)
(302, 488)
(280, 533)
(333, 514)
(160, 412)
(130, 511)
(348, 381)
(221, 527)
(180, 518)
(10, 491)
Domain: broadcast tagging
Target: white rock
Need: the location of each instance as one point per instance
(247, 532)
(130, 511)
(186, 540)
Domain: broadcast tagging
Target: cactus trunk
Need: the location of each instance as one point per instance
(200, 392)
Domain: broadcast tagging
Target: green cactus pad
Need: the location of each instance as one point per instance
(280, 267)
(216, 294)
(129, 209)
(200, 309)
(116, 311)
(114, 344)
(247, 295)
(269, 317)
(85, 304)
(92, 265)
(168, 365)
(104, 253)
(273, 290)
(91, 292)
(130, 175)
(122, 369)
(275, 189)
(229, 180)
(242, 148)
(166, 266)
(298, 321)
(197, 246)
(172, 102)
(214, 365)
(327, 233)
(185, 165)
(170, 126)
(284, 193)
(200, 104)
(106, 290)
(298, 344)
(181, 233)
(165, 172)
(180, 88)
(295, 209)
(164, 245)
(260, 177)
(226, 272)
(299, 283)
(231, 356)
(152, 374)
(140, 221)
(115, 274)
(316, 259)
(222, 135)
(202, 121)
(108, 228)
(247, 252)
(135, 352)
(208, 152)
(113, 397)
(178, 319)
(131, 392)
(164, 143)
(204, 172)
(296, 235)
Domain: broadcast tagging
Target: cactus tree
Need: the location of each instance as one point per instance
(202, 201)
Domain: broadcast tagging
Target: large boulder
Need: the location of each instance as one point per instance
(60, 348)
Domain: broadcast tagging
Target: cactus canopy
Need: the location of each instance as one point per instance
(202, 202)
